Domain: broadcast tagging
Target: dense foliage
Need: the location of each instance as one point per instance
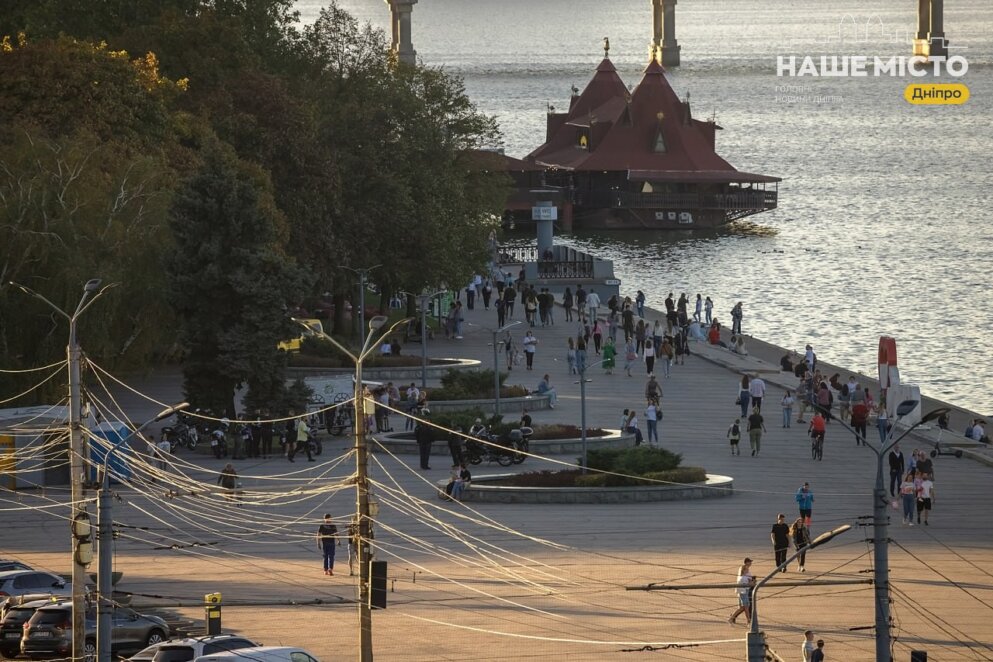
(625, 467)
(222, 163)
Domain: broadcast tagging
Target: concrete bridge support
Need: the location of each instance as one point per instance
(930, 38)
(402, 44)
(664, 32)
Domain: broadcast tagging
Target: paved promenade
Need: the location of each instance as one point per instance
(548, 582)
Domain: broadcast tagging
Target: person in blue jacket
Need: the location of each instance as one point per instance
(805, 500)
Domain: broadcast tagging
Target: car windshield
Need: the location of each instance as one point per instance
(174, 654)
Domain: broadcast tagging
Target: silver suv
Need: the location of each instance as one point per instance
(22, 582)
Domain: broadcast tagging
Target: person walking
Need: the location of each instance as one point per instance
(756, 389)
(567, 303)
(708, 309)
(667, 354)
(228, 480)
(859, 420)
(805, 502)
(787, 404)
(593, 304)
(925, 496)
(818, 654)
(734, 436)
(455, 445)
(780, 537)
(290, 436)
(267, 432)
(630, 356)
(699, 309)
(756, 426)
(908, 495)
(650, 358)
(745, 582)
(597, 335)
(807, 647)
(327, 540)
(303, 438)
(801, 538)
(882, 422)
(609, 361)
(744, 395)
(652, 414)
(580, 355)
(424, 435)
(898, 468)
(530, 344)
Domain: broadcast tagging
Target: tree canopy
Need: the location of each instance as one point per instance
(184, 146)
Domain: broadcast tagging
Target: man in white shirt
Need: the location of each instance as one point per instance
(756, 389)
(979, 432)
(593, 303)
(808, 646)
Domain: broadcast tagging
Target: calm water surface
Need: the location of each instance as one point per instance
(883, 226)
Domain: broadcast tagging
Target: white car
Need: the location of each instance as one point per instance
(23, 582)
(262, 654)
(190, 648)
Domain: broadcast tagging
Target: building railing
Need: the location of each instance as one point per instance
(517, 254)
(565, 269)
(757, 199)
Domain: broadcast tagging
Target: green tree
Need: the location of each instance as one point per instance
(230, 281)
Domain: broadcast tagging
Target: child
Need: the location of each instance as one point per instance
(734, 435)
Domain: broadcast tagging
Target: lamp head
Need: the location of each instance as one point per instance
(828, 535)
(92, 285)
(906, 407)
(377, 322)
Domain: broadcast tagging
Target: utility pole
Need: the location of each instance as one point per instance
(365, 524)
(105, 537)
(362, 501)
(80, 525)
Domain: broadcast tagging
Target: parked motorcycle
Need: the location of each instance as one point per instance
(183, 433)
(492, 448)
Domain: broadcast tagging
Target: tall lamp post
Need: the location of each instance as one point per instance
(582, 407)
(362, 501)
(424, 299)
(363, 275)
(880, 524)
(496, 362)
(82, 551)
(105, 537)
(756, 639)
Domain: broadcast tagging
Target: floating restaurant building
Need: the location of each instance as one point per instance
(634, 161)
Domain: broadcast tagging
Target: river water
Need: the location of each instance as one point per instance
(883, 225)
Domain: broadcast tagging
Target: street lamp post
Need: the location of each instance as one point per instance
(105, 537)
(880, 525)
(363, 503)
(424, 299)
(582, 407)
(756, 639)
(363, 279)
(496, 365)
(77, 455)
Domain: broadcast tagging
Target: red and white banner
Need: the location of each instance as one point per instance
(889, 373)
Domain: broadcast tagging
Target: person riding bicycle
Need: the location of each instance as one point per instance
(817, 428)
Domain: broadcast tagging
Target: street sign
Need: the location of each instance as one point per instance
(544, 213)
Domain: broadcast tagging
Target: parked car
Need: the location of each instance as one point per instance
(190, 648)
(49, 631)
(22, 582)
(10, 564)
(12, 625)
(262, 654)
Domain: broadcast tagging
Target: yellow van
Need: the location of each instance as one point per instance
(314, 328)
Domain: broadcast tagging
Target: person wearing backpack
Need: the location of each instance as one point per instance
(734, 436)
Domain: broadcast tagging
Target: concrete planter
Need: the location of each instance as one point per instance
(507, 405)
(402, 374)
(402, 443)
(478, 491)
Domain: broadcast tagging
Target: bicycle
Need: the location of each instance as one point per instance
(817, 445)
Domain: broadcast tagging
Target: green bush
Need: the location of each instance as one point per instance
(680, 475)
(633, 461)
(564, 431)
(464, 418)
(591, 480)
(470, 385)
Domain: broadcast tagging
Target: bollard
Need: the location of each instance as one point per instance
(212, 607)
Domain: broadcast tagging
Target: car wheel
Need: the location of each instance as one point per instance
(155, 637)
(89, 651)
